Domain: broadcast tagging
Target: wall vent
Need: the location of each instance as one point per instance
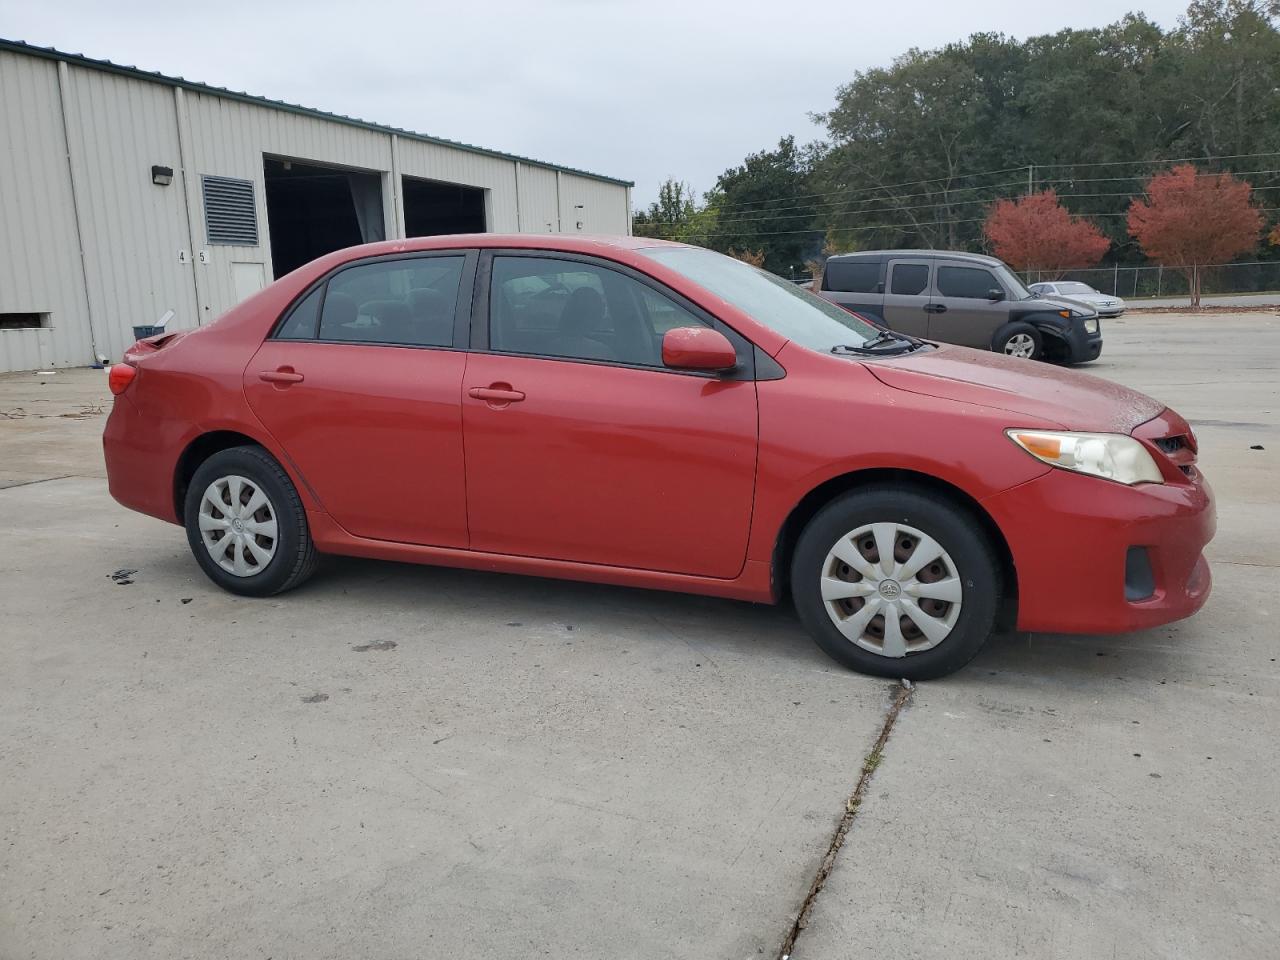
(230, 214)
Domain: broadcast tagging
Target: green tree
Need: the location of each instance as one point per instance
(765, 205)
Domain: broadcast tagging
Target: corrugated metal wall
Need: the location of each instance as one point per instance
(132, 229)
(145, 249)
(594, 204)
(39, 252)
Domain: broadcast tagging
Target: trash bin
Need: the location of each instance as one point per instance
(141, 332)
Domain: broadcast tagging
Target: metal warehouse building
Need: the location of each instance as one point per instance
(125, 195)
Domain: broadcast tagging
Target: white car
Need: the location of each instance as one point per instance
(1106, 304)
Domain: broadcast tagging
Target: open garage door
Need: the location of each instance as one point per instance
(432, 207)
(313, 210)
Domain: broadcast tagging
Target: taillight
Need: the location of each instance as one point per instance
(120, 376)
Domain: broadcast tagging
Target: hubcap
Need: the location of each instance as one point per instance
(1020, 345)
(238, 525)
(891, 589)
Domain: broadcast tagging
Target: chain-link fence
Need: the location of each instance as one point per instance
(1259, 276)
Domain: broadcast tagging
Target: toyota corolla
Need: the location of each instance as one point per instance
(628, 411)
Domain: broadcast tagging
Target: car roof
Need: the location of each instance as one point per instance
(927, 254)
(564, 242)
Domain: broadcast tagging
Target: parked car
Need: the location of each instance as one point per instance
(656, 415)
(1106, 304)
(962, 298)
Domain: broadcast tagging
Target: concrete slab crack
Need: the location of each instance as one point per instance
(869, 765)
(30, 483)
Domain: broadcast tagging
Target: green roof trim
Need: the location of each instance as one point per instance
(80, 60)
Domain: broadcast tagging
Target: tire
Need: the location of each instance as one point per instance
(1012, 339)
(967, 565)
(268, 564)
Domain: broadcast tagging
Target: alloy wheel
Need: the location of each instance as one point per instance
(1020, 345)
(891, 589)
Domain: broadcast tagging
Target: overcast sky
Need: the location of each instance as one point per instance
(635, 90)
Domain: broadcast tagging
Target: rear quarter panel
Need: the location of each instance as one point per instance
(190, 387)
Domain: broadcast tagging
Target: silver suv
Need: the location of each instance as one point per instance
(962, 298)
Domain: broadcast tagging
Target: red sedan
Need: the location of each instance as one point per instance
(643, 413)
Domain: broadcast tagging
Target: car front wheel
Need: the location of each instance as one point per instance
(896, 583)
(246, 524)
(1020, 340)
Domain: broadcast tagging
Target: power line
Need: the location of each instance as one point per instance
(899, 226)
(743, 205)
(814, 209)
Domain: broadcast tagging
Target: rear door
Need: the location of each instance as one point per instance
(361, 385)
(907, 300)
(964, 312)
(581, 445)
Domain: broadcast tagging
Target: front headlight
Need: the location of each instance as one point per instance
(1112, 456)
(1091, 326)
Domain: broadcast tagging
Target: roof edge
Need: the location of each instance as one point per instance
(79, 59)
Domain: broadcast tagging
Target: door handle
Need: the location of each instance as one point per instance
(283, 375)
(935, 308)
(498, 394)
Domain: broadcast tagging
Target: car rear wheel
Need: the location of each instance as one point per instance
(896, 583)
(1019, 340)
(246, 524)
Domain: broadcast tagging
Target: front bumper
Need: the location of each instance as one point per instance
(1070, 536)
(1084, 346)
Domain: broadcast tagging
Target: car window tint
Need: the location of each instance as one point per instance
(851, 276)
(972, 283)
(567, 309)
(398, 302)
(301, 322)
(909, 279)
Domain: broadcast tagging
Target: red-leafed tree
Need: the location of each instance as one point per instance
(1189, 220)
(1037, 232)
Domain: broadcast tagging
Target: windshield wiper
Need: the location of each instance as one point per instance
(883, 344)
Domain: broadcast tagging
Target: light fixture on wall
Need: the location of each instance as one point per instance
(162, 176)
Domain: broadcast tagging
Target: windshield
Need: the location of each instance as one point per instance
(1069, 288)
(781, 306)
(1017, 290)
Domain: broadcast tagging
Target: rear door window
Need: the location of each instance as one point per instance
(405, 302)
(970, 283)
(851, 276)
(301, 322)
(909, 279)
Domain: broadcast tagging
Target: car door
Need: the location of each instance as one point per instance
(361, 385)
(580, 445)
(856, 283)
(963, 311)
(907, 301)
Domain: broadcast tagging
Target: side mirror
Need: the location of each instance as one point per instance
(995, 293)
(697, 348)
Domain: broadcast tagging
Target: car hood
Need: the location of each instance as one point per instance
(1090, 298)
(1074, 401)
(1057, 303)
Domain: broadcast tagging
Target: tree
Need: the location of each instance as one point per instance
(1037, 232)
(1190, 220)
(753, 257)
(672, 213)
(766, 204)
